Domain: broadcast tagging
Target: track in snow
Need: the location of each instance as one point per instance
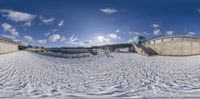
(122, 75)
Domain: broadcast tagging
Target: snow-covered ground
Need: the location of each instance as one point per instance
(119, 75)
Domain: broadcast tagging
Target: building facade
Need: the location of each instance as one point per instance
(7, 45)
(175, 45)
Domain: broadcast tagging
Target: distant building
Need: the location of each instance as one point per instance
(7, 45)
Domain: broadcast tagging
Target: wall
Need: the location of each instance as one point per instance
(179, 46)
(70, 50)
(6, 47)
(139, 50)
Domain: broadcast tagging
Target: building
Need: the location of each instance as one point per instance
(174, 45)
(7, 45)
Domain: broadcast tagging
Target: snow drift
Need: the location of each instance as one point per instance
(27, 74)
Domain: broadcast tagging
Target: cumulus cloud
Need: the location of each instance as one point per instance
(47, 21)
(169, 32)
(98, 40)
(16, 16)
(156, 32)
(28, 38)
(61, 23)
(191, 34)
(54, 37)
(130, 41)
(102, 39)
(9, 28)
(113, 36)
(105, 39)
(109, 10)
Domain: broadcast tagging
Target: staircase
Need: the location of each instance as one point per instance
(142, 50)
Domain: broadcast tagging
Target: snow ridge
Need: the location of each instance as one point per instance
(122, 75)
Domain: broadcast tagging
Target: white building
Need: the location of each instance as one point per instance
(7, 45)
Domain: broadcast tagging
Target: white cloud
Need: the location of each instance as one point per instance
(156, 32)
(117, 31)
(42, 41)
(130, 41)
(24, 43)
(191, 33)
(10, 37)
(47, 21)
(27, 24)
(51, 32)
(61, 23)
(63, 39)
(169, 32)
(72, 40)
(102, 39)
(54, 30)
(99, 40)
(31, 40)
(54, 38)
(112, 36)
(88, 42)
(47, 34)
(138, 33)
(155, 26)
(18, 16)
(8, 28)
(28, 38)
(109, 10)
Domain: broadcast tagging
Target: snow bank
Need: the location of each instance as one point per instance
(64, 55)
(128, 75)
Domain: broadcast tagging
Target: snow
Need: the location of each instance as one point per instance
(118, 75)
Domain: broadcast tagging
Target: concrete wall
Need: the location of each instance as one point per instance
(70, 50)
(7, 47)
(179, 46)
(140, 50)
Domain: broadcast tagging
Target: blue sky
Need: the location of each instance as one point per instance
(95, 22)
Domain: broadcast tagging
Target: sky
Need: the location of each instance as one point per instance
(56, 23)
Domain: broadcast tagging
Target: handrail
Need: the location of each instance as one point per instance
(172, 36)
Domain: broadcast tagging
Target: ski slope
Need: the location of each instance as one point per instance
(121, 75)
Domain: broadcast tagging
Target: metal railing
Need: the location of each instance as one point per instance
(171, 36)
